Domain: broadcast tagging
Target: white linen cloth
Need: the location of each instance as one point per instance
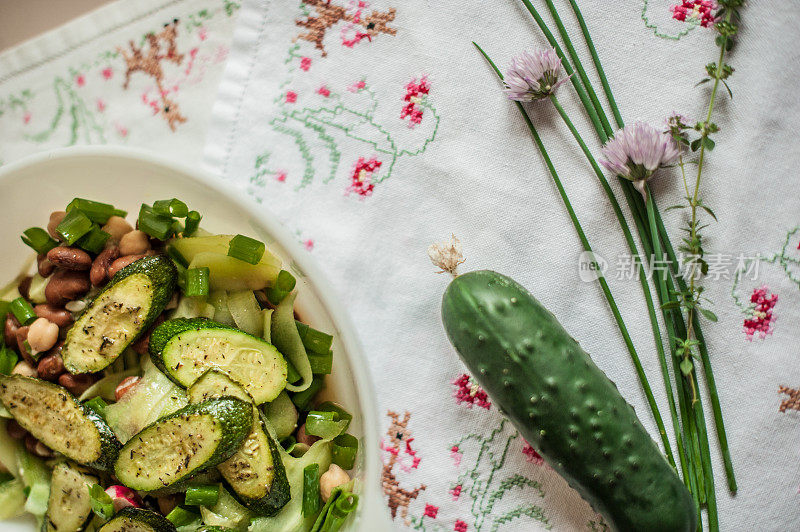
(373, 128)
(69, 86)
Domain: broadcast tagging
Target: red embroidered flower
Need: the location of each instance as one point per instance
(456, 455)
(101, 105)
(467, 391)
(531, 455)
(460, 526)
(361, 176)
(80, 80)
(26, 118)
(291, 97)
(431, 511)
(698, 11)
(456, 492)
(324, 91)
(280, 176)
(357, 86)
(309, 245)
(107, 73)
(305, 64)
(416, 90)
(762, 303)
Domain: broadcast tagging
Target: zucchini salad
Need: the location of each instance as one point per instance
(158, 379)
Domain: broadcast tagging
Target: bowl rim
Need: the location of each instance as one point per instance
(373, 510)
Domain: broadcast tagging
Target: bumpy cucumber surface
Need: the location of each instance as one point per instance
(137, 520)
(176, 447)
(120, 313)
(57, 419)
(563, 404)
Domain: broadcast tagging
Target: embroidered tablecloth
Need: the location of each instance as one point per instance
(373, 128)
(140, 73)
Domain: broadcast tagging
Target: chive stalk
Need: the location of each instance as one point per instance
(192, 223)
(600, 278)
(171, 207)
(311, 497)
(38, 239)
(23, 311)
(197, 282)
(74, 225)
(203, 495)
(246, 249)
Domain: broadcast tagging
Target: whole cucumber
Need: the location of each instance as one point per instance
(563, 404)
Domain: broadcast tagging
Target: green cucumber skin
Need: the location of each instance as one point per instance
(161, 270)
(563, 404)
(156, 522)
(109, 444)
(236, 418)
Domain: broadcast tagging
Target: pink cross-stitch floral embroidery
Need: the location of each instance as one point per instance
(468, 392)
(26, 118)
(416, 90)
(291, 97)
(456, 455)
(361, 177)
(431, 511)
(305, 64)
(460, 526)
(309, 245)
(280, 176)
(455, 491)
(80, 80)
(357, 86)
(761, 318)
(101, 105)
(531, 455)
(107, 73)
(324, 91)
(700, 11)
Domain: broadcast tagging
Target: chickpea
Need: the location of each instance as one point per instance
(42, 335)
(134, 243)
(117, 227)
(25, 369)
(335, 476)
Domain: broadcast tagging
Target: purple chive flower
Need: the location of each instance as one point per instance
(636, 151)
(533, 76)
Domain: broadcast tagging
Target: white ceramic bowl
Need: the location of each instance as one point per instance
(32, 188)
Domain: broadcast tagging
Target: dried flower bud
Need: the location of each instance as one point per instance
(447, 255)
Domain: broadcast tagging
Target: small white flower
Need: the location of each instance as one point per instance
(533, 76)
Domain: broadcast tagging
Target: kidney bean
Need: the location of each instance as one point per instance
(15, 430)
(120, 263)
(59, 316)
(76, 384)
(127, 384)
(98, 274)
(66, 285)
(70, 258)
(55, 219)
(10, 331)
(24, 287)
(44, 266)
(50, 368)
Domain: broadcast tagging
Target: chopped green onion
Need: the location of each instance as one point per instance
(321, 364)
(8, 360)
(203, 495)
(171, 207)
(102, 504)
(311, 500)
(345, 448)
(74, 225)
(23, 311)
(340, 505)
(94, 210)
(339, 413)
(182, 516)
(192, 223)
(284, 284)
(325, 425)
(246, 249)
(4, 309)
(303, 399)
(176, 257)
(38, 239)
(98, 405)
(94, 241)
(292, 375)
(196, 282)
(313, 340)
(153, 224)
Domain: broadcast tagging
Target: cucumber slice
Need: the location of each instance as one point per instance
(282, 415)
(190, 247)
(119, 314)
(69, 508)
(137, 520)
(255, 473)
(228, 273)
(194, 438)
(58, 420)
(184, 349)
